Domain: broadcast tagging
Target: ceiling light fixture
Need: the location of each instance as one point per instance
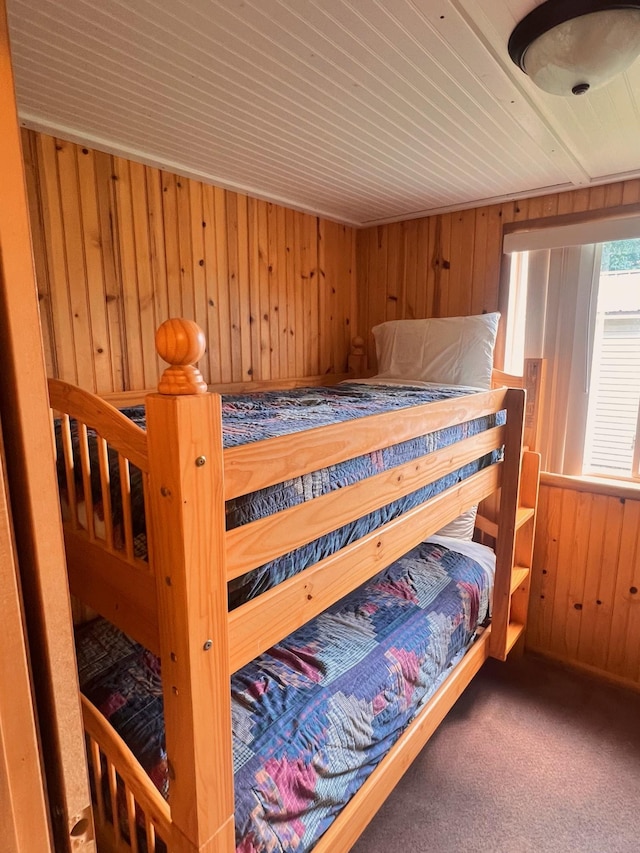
(572, 46)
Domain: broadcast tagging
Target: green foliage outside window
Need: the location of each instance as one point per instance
(621, 255)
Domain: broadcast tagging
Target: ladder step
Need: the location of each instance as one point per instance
(514, 631)
(519, 574)
(523, 514)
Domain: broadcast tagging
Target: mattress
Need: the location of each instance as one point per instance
(251, 417)
(316, 713)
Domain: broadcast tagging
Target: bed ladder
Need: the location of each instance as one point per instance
(511, 604)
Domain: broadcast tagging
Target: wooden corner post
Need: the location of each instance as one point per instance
(184, 425)
(507, 519)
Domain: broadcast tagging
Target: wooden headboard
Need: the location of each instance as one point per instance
(532, 380)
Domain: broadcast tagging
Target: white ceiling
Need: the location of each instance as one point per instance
(363, 111)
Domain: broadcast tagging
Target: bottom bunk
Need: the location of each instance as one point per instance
(315, 714)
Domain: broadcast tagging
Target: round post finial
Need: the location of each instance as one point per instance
(181, 343)
(357, 346)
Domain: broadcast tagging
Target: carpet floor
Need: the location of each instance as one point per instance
(532, 759)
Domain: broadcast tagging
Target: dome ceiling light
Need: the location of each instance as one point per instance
(572, 46)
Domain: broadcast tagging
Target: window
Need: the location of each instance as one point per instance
(578, 306)
(611, 441)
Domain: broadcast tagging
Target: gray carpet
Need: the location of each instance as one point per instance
(532, 759)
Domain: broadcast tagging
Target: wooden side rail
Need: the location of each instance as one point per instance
(260, 541)
(105, 571)
(259, 464)
(117, 776)
(263, 621)
(115, 428)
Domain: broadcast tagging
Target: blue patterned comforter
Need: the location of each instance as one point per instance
(315, 714)
(250, 417)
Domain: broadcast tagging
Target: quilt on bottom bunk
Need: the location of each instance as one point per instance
(249, 417)
(317, 712)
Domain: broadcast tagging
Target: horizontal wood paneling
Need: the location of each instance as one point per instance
(121, 246)
(585, 586)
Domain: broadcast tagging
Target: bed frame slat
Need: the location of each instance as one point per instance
(151, 835)
(265, 620)
(96, 765)
(125, 492)
(105, 485)
(112, 779)
(254, 544)
(85, 465)
(259, 464)
(69, 467)
(131, 818)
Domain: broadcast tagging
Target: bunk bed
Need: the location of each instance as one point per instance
(172, 599)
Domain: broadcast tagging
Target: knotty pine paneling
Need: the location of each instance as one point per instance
(585, 587)
(449, 264)
(119, 247)
(585, 604)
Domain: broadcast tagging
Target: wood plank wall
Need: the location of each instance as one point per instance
(585, 589)
(583, 608)
(449, 264)
(119, 247)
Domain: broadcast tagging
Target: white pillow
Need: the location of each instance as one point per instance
(461, 527)
(445, 350)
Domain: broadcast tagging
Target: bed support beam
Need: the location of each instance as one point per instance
(186, 486)
(505, 546)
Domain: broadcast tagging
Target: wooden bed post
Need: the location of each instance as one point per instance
(184, 426)
(357, 360)
(507, 519)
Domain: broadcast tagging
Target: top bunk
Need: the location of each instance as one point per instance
(110, 464)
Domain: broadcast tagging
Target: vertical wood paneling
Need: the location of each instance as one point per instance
(129, 272)
(124, 246)
(587, 555)
(465, 255)
(120, 247)
(214, 351)
(94, 268)
(107, 211)
(293, 329)
(39, 250)
(56, 269)
(585, 592)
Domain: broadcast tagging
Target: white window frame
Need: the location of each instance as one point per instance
(563, 433)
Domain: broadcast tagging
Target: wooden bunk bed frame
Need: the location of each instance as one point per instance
(175, 603)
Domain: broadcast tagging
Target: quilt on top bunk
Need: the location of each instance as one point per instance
(251, 417)
(315, 714)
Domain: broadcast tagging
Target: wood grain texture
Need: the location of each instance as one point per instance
(585, 593)
(121, 247)
(24, 820)
(257, 542)
(449, 264)
(187, 517)
(104, 737)
(586, 558)
(30, 474)
(256, 465)
(265, 620)
(235, 249)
